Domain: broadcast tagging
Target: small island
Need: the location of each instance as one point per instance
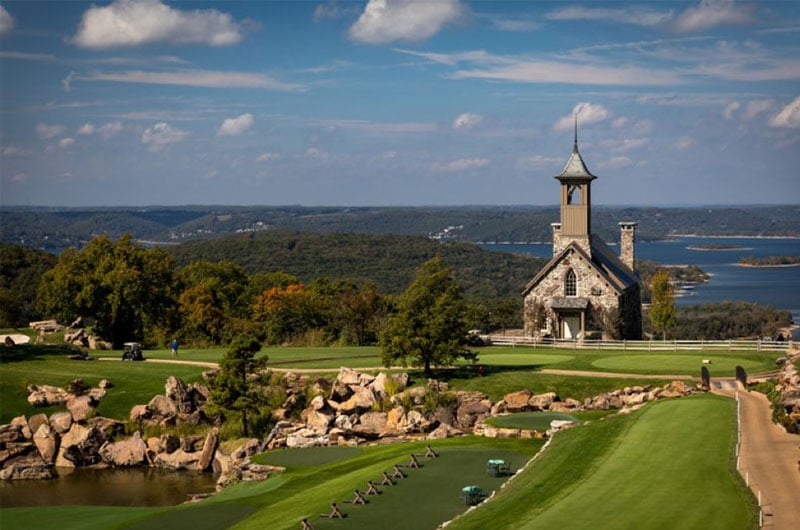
(769, 261)
(715, 246)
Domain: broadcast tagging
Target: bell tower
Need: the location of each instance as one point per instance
(576, 201)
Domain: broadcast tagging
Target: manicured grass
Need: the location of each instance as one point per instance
(312, 456)
(134, 382)
(667, 466)
(540, 421)
(676, 364)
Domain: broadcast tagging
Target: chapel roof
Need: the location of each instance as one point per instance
(575, 167)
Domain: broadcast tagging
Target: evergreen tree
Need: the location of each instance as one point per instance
(429, 326)
(231, 389)
(662, 307)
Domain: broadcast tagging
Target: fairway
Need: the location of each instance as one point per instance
(675, 364)
(667, 466)
(540, 421)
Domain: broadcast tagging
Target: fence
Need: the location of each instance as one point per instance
(644, 345)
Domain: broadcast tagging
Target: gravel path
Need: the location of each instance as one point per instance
(769, 458)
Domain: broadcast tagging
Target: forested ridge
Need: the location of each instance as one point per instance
(58, 228)
(388, 261)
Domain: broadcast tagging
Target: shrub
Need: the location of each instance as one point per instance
(706, 377)
(741, 375)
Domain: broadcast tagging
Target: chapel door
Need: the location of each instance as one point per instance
(572, 327)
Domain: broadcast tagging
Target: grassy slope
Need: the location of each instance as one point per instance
(668, 466)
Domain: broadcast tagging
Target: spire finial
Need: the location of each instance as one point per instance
(575, 146)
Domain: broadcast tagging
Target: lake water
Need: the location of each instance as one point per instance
(108, 487)
(779, 287)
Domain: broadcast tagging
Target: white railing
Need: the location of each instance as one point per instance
(646, 345)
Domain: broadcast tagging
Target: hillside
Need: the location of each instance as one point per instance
(387, 261)
(57, 228)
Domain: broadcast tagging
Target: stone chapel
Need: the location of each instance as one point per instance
(585, 287)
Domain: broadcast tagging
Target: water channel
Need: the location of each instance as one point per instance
(108, 487)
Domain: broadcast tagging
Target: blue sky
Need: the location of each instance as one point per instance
(449, 102)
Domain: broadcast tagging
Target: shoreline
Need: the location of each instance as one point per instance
(766, 266)
(699, 236)
(728, 249)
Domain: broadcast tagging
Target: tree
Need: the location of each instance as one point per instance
(231, 389)
(429, 325)
(127, 289)
(21, 270)
(662, 306)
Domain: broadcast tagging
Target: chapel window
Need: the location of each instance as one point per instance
(570, 284)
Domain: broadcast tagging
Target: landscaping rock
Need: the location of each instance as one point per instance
(61, 422)
(318, 421)
(46, 442)
(47, 395)
(517, 401)
(362, 399)
(80, 407)
(125, 453)
(177, 460)
(36, 421)
(79, 447)
(162, 406)
(209, 449)
(26, 467)
(542, 401)
(24, 429)
(139, 413)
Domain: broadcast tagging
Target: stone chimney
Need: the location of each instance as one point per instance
(556, 238)
(627, 240)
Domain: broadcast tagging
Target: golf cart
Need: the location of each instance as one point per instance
(132, 351)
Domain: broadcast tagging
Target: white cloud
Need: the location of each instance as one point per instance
(66, 142)
(67, 81)
(711, 13)
(538, 162)
(13, 150)
(408, 20)
(333, 11)
(639, 16)
(195, 78)
(161, 135)
(620, 122)
(107, 131)
(467, 121)
(756, 107)
(24, 56)
(788, 117)
(628, 144)
(19, 178)
(46, 132)
(235, 126)
(684, 142)
(6, 20)
(587, 113)
(537, 71)
(378, 127)
(137, 22)
(643, 127)
(730, 110)
(462, 164)
(615, 162)
(515, 24)
(264, 157)
(314, 152)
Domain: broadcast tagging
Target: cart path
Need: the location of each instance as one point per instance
(204, 364)
(770, 457)
(613, 375)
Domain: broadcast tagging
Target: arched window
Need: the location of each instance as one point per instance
(570, 284)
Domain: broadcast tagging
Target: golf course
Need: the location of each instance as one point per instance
(670, 463)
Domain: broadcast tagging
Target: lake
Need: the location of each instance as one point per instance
(141, 486)
(779, 287)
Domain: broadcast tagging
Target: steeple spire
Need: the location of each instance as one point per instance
(575, 145)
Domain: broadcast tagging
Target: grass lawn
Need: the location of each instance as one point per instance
(133, 382)
(678, 364)
(540, 421)
(669, 465)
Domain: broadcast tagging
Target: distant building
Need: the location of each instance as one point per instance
(585, 287)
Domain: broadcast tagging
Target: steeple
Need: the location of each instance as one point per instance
(576, 200)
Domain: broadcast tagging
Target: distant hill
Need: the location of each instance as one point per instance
(388, 261)
(57, 228)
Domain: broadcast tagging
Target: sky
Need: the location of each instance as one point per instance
(397, 102)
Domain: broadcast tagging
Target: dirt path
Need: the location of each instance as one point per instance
(204, 364)
(613, 375)
(769, 459)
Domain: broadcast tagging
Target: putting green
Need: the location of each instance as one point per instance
(674, 364)
(522, 358)
(312, 456)
(536, 421)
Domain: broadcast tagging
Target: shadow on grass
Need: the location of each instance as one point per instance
(462, 373)
(34, 352)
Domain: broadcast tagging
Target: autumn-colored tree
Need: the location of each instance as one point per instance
(429, 326)
(288, 313)
(662, 312)
(211, 298)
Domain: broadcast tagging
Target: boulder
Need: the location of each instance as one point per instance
(79, 447)
(345, 422)
(318, 421)
(170, 443)
(396, 419)
(635, 399)
(445, 415)
(517, 401)
(14, 449)
(318, 403)
(46, 395)
(26, 467)
(96, 394)
(80, 407)
(372, 422)
(125, 453)
(162, 406)
(36, 421)
(470, 412)
(416, 422)
(139, 413)
(348, 376)
(209, 449)
(362, 400)
(24, 429)
(61, 422)
(542, 401)
(180, 393)
(444, 431)
(46, 442)
(97, 343)
(177, 460)
(191, 444)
